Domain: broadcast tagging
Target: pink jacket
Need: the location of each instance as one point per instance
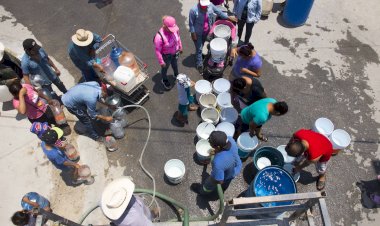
(170, 43)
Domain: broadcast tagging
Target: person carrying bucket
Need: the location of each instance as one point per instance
(185, 99)
(226, 164)
(310, 147)
(258, 113)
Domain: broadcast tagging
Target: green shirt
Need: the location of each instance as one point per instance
(257, 112)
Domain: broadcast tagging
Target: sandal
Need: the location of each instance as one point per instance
(263, 138)
(321, 184)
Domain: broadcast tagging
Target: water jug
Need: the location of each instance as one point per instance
(109, 67)
(48, 94)
(84, 175)
(115, 54)
(128, 59)
(119, 114)
(58, 113)
(72, 153)
(117, 129)
(111, 143)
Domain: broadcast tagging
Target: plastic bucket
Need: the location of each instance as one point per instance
(202, 87)
(210, 115)
(221, 85)
(224, 100)
(246, 144)
(229, 114)
(340, 139)
(174, 170)
(204, 130)
(275, 157)
(203, 149)
(207, 100)
(222, 31)
(227, 128)
(287, 158)
(323, 126)
(218, 48)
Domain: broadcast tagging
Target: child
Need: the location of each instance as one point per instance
(39, 128)
(185, 99)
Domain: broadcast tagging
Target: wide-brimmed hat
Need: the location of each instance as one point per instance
(204, 2)
(2, 49)
(116, 197)
(170, 23)
(82, 37)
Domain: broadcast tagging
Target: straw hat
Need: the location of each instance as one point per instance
(116, 196)
(82, 37)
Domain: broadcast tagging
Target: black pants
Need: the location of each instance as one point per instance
(248, 30)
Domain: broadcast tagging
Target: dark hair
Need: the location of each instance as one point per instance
(295, 148)
(246, 50)
(15, 88)
(239, 83)
(20, 218)
(281, 107)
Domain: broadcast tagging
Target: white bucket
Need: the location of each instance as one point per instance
(210, 115)
(246, 144)
(227, 128)
(229, 114)
(204, 130)
(287, 158)
(222, 31)
(340, 139)
(207, 100)
(221, 85)
(202, 87)
(174, 170)
(218, 48)
(203, 149)
(323, 126)
(224, 100)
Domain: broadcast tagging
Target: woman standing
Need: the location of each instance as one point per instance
(248, 13)
(248, 63)
(168, 46)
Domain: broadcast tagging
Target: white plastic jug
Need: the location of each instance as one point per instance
(218, 48)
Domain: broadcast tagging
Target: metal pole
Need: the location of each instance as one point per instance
(325, 214)
(54, 217)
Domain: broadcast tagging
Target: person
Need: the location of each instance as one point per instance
(246, 91)
(23, 218)
(310, 147)
(201, 19)
(248, 63)
(122, 207)
(185, 99)
(258, 113)
(82, 53)
(248, 13)
(10, 67)
(33, 200)
(168, 46)
(226, 164)
(84, 106)
(36, 61)
(27, 101)
(39, 128)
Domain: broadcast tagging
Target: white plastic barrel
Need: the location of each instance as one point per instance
(340, 139)
(224, 100)
(5, 95)
(221, 85)
(207, 100)
(229, 114)
(203, 149)
(174, 170)
(227, 128)
(218, 48)
(202, 87)
(204, 130)
(246, 144)
(210, 115)
(222, 31)
(323, 126)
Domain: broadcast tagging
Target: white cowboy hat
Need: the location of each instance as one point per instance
(116, 196)
(82, 37)
(2, 49)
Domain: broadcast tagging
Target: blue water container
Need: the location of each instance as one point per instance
(296, 12)
(115, 54)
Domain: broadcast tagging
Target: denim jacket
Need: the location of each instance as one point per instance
(254, 9)
(196, 18)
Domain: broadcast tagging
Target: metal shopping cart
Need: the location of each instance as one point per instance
(138, 93)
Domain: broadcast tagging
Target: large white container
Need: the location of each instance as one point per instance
(203, 149)
(222, 31)
(227, 128)
(5, 95)
(204, 130)
(125, 78)
(340, 139)
(267, 6)
(221, 85)
(224, 101)
(174, 170)
(229, 114)
(210, 115)
(323, 126)
(207, 100)
(202, 87)
(218, 48)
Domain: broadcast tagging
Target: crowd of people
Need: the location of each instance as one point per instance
(30, 82)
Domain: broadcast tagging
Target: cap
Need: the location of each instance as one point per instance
(219, 138)
(50, 136)
(2, 49)
(204, 2)
(29, 44)
(170, 23)
(59, 131)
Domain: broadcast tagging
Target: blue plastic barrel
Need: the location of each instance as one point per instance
(296, 12)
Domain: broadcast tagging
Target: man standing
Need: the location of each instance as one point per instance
(258, 113)
(36, 61)
(226, 164)
(248, 13)
(201, 19)
(10, 67)
(81, 101)
(310, 147)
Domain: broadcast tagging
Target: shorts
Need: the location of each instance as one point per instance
(321, 167)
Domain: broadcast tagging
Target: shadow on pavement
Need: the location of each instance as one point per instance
(189, 61)
(369, 189)
(100, 3)
(307, 178)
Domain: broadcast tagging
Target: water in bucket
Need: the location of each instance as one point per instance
(263, 162)
(246, 144)
(323, 126)
(221, 85)
(202, 87)
(204, 130)
(222, 31)
(218, 48)
(271, 153)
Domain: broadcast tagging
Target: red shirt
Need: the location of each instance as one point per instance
(319, 145)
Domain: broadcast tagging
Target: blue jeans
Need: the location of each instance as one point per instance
(198, 49)
(85, 119)
(59, 84)
(89, 75)
(169, 59)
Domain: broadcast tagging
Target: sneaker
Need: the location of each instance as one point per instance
(200, 69)
(166, 84)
